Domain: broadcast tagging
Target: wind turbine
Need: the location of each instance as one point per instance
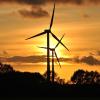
(53, 50)
(48, 32)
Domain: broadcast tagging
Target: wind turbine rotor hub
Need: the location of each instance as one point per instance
(48, 31)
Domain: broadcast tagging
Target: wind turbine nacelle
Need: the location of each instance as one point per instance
(52, 49)
(48, 31)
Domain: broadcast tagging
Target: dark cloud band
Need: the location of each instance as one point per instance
(89, 60)
(28, 2)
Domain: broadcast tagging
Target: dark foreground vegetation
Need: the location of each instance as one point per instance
(24, 84)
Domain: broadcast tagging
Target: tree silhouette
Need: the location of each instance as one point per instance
(4, 68)
(45, 75)
(85, 77)
(57, 79)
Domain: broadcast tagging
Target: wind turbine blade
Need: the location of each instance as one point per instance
(57, 58)
(52, 16)
(43, 47)
(36, 35)
(59, 41)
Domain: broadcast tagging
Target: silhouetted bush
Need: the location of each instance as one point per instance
(85, 77)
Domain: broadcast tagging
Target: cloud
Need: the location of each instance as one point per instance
(90, 60)
(27, 2)
(34, 12)
(28, 59)
(95, 1)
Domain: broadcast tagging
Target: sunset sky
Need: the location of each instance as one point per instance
(79, 20)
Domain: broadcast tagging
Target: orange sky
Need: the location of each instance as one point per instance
(80, 23)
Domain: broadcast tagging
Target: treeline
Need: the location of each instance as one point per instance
(79, 77)
(14, 83)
